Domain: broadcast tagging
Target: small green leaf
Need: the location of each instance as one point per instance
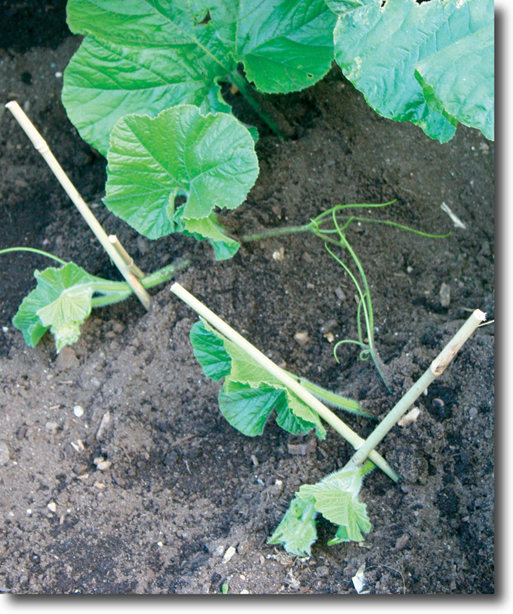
(144, 57)
(338, 506)
(61, 301)
(210, 229)
(209, 159)
(209, 352)
(246, 398)
(246, 408)
(297, 531)
(336, 498)
(380, 45)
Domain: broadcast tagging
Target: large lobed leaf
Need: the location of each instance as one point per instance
(209, 159)
(143, 56)
(249, 393)
(459, 80)
(429, 63)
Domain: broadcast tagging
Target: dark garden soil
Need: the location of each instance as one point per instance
(187, 502)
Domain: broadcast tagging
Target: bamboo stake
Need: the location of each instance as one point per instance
(129, 261)
(341, 427)
(42, 147)
(436, 369)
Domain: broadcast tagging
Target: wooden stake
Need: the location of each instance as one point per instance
(42, 147)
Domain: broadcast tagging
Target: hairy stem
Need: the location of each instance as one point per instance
(330, 397)
(276, 232)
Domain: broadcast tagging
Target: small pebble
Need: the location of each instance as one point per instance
(52, 506)
(279, 254)
(102, 464)
(302, 337)
(228, 554)
(4, 453)
(411, 416)
(340, 294)
(51, 427)
(473, 412)
(445, 295)
(67, 359)
(78, 411)
(401, 542)
(22, 432)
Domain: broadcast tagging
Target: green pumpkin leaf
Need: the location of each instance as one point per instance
(209, 352)
(459, 80)
(249, 392)
(209, 159)
(61, 301)
(297, 531)
(146, 56)
(381, 45)
(336, 498)
(247, 409)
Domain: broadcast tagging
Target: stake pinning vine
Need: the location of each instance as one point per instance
(42, 147)
(326, 414)
(436, 369)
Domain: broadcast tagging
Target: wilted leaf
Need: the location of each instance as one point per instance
(61, 300)
(297, 531)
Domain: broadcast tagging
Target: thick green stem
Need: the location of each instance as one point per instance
(326, 414)
(245, 90)
(162, 275)
(436, 368)
(330, 397)
(276, 232)
(116, 291)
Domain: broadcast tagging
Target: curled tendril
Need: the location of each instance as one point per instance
(365, 355)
